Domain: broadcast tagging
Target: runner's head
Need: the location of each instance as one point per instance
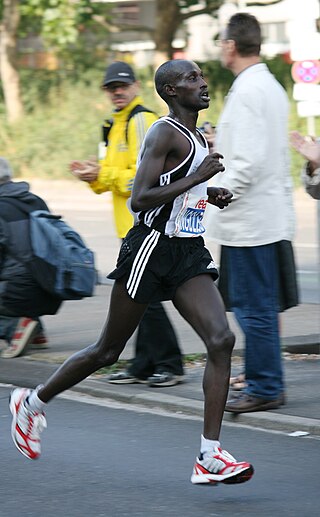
(181, 82)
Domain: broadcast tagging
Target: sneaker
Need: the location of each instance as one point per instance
(39, 342)
(125, 377)
(26, 425)
(220, 466)
(21, 338)
(164, 379)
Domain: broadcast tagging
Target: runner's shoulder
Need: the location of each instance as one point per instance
(163, 134)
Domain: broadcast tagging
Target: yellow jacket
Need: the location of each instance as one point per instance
(119, 165)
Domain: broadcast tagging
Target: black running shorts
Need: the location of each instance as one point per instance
(154, 265)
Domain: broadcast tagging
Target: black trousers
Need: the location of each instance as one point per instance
(157, 348)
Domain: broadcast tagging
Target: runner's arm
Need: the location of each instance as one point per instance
(164, 145)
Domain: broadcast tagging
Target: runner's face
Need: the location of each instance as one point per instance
(121, 94)
(191, 88)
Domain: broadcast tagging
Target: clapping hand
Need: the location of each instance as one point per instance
(308, 147)
(86, 170)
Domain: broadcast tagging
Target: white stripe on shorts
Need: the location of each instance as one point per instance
(141, 261)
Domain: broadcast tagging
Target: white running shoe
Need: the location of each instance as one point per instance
(219, 466)
(26, 425)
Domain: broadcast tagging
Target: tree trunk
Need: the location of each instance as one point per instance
(168, 20)
(8, 53)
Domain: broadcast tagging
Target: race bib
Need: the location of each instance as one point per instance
(189, 221)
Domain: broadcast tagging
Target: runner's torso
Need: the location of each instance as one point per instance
(182, 217)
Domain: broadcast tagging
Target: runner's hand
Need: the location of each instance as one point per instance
(220, 197)
(210, 167)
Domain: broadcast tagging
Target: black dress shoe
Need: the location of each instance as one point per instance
(248, 404)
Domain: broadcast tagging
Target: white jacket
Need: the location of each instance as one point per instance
(252, 135)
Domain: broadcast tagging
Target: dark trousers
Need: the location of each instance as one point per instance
(157, 348)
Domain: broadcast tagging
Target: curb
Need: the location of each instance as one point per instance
(262, 420)
(308, 344)
(23, 373)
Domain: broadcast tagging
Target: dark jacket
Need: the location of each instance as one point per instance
(20, 294)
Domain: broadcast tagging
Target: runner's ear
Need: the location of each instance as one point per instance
(169, 90)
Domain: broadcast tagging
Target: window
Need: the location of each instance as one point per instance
(274, 32)
(127, 13)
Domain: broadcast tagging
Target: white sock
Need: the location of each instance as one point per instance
(208, 445)
(34, 403)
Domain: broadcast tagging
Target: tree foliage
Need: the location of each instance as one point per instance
(59, 22)
(170, 16)
(74, 28)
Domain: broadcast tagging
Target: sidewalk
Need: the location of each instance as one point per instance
(79, 323)
(68, 331)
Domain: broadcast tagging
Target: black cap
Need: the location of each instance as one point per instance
(119, 72)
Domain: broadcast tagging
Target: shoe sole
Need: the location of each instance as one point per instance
(231, 479)
(164, 384)
(242, 477)
(177, 379)
(128, 381)
(13, 411)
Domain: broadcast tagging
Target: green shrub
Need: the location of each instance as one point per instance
(65, 110)
(62, 122)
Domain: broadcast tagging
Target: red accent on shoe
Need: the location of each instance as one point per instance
(221, 467)
(29, 452)
(26, 425)
(39, 339)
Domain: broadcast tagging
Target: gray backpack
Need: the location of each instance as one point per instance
(62, 264)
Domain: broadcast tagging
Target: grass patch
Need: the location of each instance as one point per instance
(189, 360)
(120, 365)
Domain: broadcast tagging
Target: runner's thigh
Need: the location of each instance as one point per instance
(199, 302)
(123, 318)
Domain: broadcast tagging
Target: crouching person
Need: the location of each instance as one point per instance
(22, 300)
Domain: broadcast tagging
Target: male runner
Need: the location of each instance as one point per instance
(162, 257)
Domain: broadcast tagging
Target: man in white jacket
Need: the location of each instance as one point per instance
(258, 227)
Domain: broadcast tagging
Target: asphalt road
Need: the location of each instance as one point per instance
(101, 461)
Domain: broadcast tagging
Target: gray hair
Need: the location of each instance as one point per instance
(5, 170)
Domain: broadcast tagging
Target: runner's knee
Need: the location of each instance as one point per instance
(222, 343)
(103, 357)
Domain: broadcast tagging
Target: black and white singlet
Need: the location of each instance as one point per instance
(182, 217)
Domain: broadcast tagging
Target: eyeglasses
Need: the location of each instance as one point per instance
(220, 42)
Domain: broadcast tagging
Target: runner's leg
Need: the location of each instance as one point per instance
(199, 302)
(123, 318)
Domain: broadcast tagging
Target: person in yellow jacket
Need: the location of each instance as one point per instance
(158, 359)
(115, 172)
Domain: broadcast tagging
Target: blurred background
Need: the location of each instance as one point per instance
(53, 54)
